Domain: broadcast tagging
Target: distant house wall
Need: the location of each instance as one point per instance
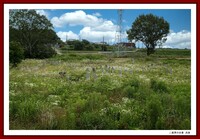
(128, 44)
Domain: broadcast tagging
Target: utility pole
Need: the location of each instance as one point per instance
(79, 37)
(66, 38)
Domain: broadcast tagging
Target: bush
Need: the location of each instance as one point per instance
(154, 110)
(158, 86)
(78, 45)
(129, 91)
(24, 111)
(103, 47)
(89, 47)
(16, 53)
(43, 51)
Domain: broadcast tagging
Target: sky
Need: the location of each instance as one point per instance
(95, 25)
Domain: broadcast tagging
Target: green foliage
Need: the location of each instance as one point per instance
(31, 30)
(167, 52)
(78, 45)
(131, 101)
(95, 121)
(159, 86)
(103, 47)
(150, 29)
(154, 110)
(43, 51)
(16, 53)
(72, 56)
(129, 91)
(25, 110)
(89, 47)
(85, 42)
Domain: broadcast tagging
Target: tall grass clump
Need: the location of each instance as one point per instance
(159, 86)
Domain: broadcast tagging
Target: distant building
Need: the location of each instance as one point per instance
(105, 43)
(128, 44)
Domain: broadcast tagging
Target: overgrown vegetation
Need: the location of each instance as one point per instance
(101, 92)
(16, 53)
(33, 32)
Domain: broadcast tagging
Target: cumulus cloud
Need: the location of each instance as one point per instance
(94, 28)
(180, 39)
(97, 35)
(67, 35)
(96, 14)
(42, 12)
(76, 18)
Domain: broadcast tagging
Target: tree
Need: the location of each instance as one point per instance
(150, 29)
(30, 29)
(43, 51)
(16, 53)
(85, 42)
(78, 45)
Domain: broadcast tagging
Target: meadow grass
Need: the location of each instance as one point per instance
(102, 92)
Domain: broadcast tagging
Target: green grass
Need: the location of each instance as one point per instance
(144, 93)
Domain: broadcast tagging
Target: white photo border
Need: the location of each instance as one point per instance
(192, 7)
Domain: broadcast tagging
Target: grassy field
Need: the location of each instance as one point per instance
(102, 91)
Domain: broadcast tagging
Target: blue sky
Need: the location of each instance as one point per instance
(95, 24)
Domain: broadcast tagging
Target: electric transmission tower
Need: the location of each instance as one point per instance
(119, 29)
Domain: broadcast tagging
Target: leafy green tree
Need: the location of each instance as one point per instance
(30, 29)
(89, 47)
(43, 51)
(16, 53)
(85, 42)
(150, 29)
(78, 45)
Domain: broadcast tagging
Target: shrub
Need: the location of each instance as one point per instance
(153, 112)
(16, 53)
(158, 86)
(64, 48)
(129, 91)
(89, 47)
(43, 51)
(94, 120)
(78, 45)
(24, 111)
(103, 47)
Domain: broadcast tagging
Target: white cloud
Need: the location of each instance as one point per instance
(67, 35)
(42, 12)
(97, 36)
(94, 28)
(96, 14)
(86, 20)
(180, 39)
(76, 18)
(105, 26)
(91, 35)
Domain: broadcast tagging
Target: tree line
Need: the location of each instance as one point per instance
(83, 45)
